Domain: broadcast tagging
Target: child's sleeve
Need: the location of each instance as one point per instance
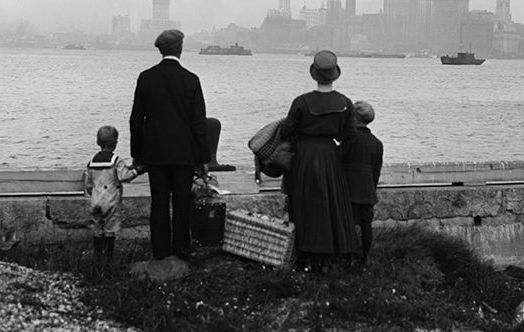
(88, 183)
(124, 172)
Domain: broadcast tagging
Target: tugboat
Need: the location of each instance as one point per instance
(231, 50)
(462, 58)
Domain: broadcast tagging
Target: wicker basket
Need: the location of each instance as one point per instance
(260, 238)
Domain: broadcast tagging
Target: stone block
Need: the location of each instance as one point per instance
(431, 223)
(503, 244)
(385, 223)
(135, 232)
(66, 235)
(27, 217)
(457, 221)
(393, 204)
(167, 269)
(515, 199)
(503, 219)
(427, 203)
(135, 211)
(69, 212)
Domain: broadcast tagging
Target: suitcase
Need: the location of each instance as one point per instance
(207, 222)
(260, 238)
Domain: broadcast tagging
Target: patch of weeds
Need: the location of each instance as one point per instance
(415, 279)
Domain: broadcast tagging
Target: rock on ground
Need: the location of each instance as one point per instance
(169, 268)
(39, 301)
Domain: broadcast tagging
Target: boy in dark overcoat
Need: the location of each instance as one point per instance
(363, 163)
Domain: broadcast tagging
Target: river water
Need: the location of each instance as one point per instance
(53, 101)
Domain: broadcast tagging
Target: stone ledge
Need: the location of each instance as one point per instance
(449, 202)
(452, 210)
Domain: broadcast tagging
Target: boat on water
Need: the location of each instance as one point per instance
(74, 47)
(462, 58)
(231, 50)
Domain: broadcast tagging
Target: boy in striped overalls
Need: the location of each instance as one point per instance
(103, 184)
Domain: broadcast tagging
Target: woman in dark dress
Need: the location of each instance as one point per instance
(319, 202)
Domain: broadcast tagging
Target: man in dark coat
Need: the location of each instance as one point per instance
(363, 163)
(168, 136)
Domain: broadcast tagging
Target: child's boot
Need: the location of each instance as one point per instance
(109, 247)
(98, 247)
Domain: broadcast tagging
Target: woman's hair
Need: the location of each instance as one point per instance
(107, 137)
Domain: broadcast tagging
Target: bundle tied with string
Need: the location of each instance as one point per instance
(274, 154)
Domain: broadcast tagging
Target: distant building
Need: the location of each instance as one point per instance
(313, 17)
(161, 10)
(121, 29)
(285, 6)
(503, 11)
(506, 43)
(283, 11)
(280, 34)
(151, 28)
(334, 14)
(351, 8)
(445, 24)
(506, 40)
(121, 25)
(477, 33)
(407, 24)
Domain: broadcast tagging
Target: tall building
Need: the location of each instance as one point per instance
(334, 12)
(151, 28)
(313, 17)
(121, 29)
(407, 24)
(284, 6)
(446, 25)
(503, 11)
(121, 24)
(283, 11)
(351, 8)
(477, 33)
(161, 10)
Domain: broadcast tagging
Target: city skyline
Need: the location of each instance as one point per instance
(94, 16)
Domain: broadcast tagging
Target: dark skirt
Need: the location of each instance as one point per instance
(319, 200)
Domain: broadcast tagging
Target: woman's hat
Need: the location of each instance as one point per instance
(324, 68)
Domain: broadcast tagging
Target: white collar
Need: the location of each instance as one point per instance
(170, 57)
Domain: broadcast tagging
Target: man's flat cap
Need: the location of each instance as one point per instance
(169, 39)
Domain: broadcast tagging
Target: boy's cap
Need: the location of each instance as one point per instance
(364, 111)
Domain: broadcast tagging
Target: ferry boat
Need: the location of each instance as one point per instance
(231, 50)
(74, 47)
(462, 58)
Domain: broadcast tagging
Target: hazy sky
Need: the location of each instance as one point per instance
(95, 15)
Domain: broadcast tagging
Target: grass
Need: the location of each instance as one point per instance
(415, 279)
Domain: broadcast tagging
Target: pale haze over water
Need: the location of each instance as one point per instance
(53, 101)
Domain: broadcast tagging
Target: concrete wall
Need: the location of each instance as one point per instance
(490, 218)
